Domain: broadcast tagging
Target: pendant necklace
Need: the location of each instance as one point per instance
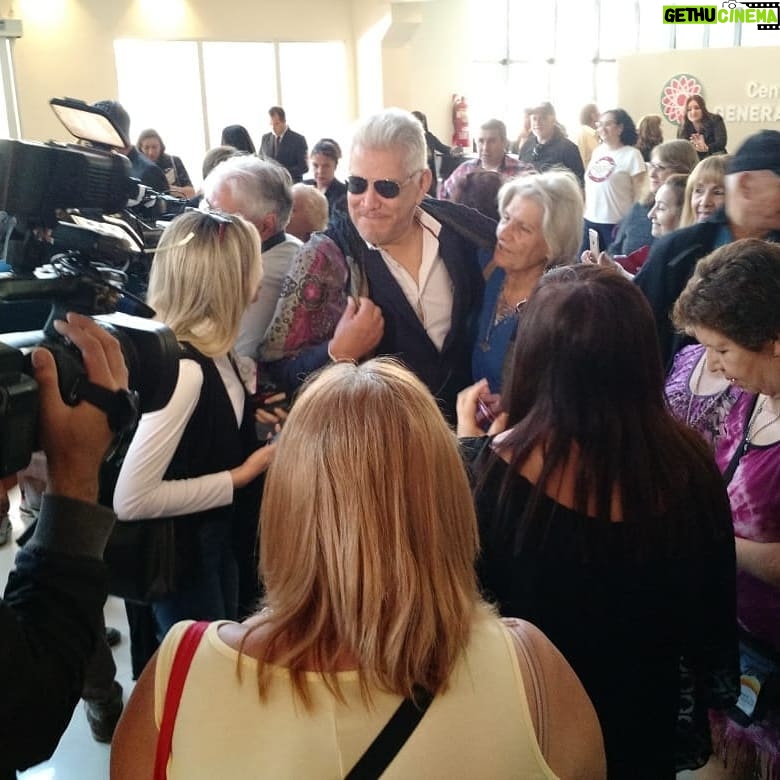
(751, 433)
(502, 310)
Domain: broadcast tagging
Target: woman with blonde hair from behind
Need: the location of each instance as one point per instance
(197, 458)
(368, 547)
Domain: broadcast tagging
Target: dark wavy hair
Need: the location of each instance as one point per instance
(735, 291)
(699, 100)
(628, 135)
(327, 147)
(586, 381)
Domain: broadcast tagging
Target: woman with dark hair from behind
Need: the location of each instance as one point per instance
(324, 159)
(706, 131)
(650, 135)
(731, 305)
(435, 146)
(238, 137)
(368, 544)
(479, 190)
(605, 521)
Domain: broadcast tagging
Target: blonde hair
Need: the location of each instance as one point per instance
(710, 169)
(368, 536)
(206, 271)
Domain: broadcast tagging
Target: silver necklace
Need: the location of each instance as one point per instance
(752, 432)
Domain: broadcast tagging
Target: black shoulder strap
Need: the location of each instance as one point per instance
(391, 738)
(728, 472)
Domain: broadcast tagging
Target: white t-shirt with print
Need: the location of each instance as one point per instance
(609, 184)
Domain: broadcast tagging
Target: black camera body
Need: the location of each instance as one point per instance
(69, 234)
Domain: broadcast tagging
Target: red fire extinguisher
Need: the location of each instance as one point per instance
(460, 122)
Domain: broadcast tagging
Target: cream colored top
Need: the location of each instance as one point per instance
(481, 727)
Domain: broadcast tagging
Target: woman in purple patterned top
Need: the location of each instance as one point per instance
(732, 306)
(697, 396)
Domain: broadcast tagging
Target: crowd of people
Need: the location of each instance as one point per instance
(573, 586)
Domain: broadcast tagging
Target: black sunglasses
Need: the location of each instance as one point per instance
(385, 188)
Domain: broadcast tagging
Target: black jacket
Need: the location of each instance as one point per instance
(558, 151)
(667, 270)
(50, 618)
(291, 154)
(714, 132)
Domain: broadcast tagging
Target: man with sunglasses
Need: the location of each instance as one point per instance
(398, 275)
(547, 147)
(491, 145)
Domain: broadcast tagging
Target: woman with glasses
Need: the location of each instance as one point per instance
(605, 521)
(634, 232)
(197, 458)
(540, 221)
(706, 132)
(615, 177)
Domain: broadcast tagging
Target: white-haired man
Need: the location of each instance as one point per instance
(398, 276)
(261, 192)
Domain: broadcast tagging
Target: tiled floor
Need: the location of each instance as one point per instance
(78, 756)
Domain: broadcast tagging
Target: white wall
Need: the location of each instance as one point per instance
(743, 85)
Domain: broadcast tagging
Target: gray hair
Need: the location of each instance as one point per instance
(261, 187)
(313, 204)
(394, 129)
(560, 197)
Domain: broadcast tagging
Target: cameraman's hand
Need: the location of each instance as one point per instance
(76, 438)
(358, 331)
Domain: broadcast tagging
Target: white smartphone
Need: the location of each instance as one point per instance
(593, 237)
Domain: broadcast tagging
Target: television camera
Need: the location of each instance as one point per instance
(73, 229)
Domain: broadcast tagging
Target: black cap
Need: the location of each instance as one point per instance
(759, 152)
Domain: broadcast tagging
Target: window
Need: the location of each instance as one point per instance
(567, 50)
(188, 90)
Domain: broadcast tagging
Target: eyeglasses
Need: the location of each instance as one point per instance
(385, 188)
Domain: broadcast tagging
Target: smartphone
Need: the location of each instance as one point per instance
(269, 399)
(485, 415)
(593, 237)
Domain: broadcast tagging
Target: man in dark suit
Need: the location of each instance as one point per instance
(285, 146)
(399, 275)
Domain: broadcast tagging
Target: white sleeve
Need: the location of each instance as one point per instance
(141, 491)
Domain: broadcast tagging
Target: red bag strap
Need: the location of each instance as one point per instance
(181, 665)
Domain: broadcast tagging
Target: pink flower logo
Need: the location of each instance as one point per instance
(675, 95)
